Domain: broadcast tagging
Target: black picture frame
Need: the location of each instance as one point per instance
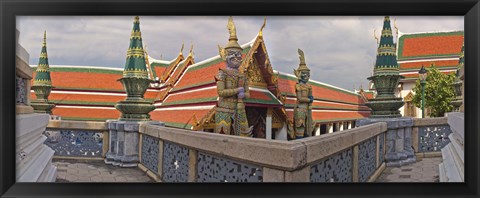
(470, 9)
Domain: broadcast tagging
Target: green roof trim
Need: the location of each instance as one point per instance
(85, 70)
(213, 61)
(153, 65)
(283, 76)
(90, 89)
(429, 56)
(87, 119)
(194, 85)
(82, 102)
(335, 120)
(438, 67)
(177, 125)
(401, 41)
(189, 101)
(272, 101)
(324, 99)
(321, 107)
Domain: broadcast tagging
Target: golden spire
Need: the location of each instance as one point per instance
(181, 50)
(232, 40)
(375, 35)
(190, 53)
(150, 74)
(263, 26)
(395, 25)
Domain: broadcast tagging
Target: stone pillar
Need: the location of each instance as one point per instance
(268, 124)
(330, 127)
(317, 132)
(341, 126)
(399, 149)
(124, 143)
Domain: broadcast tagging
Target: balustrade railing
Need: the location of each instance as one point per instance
(176, 155)
(77, 139)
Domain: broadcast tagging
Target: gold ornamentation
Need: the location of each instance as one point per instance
(387, 33)
(222, 52)
(409, 97)
(254, 74)
(181, 50)
(136, 34)
(263, 26)
(190, 53)
(375, 36)
(302, 66)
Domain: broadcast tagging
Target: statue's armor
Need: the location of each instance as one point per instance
(302, 113)
(228, 107)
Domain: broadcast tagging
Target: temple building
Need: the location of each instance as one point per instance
(184, 93)
(442, 49)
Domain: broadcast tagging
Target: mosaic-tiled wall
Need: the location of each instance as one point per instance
(175, 163)
(337, 168)
(150, 150)
(433, 138)
(366, 159)
(75, 143)
(21, 92)
(216, 169)
(381, 146)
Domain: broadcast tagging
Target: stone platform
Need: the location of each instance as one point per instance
(96, 171)
(425, 170)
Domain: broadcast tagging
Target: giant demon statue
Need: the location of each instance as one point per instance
(303, 109)
(232, 88)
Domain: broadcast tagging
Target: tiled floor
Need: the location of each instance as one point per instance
(96, 171)
(425, 170)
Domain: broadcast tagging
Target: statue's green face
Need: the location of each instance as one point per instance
(304, 76)
(234, 58)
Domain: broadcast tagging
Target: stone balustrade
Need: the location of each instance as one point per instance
(77, 139)
(176, 155)
(429, 136)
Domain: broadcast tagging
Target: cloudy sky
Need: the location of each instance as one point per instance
(339, 50)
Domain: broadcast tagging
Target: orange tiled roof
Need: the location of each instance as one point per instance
(82, 78)
(430, 45)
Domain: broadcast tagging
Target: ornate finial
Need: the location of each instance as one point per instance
(375, 35)
(302, 66)
(135, 65)
(263, 26)
(301, 56)
(396, 28)
(181, 49)
(232, 40)
(149, 70)
(45, 38)
(231, 28)
(190, 53)
(222, 52)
